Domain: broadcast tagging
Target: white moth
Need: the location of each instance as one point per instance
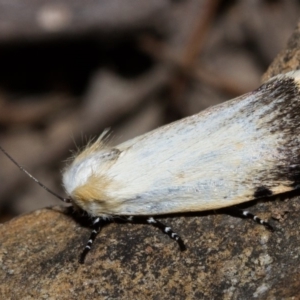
(240, 150)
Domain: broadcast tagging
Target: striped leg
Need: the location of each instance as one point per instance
(97, 224)
(247, 214)
(165, 229)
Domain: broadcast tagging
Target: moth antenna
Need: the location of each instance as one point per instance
(67, 200)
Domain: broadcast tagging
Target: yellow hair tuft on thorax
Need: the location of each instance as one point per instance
(94, 191)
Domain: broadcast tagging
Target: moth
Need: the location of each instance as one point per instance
(243, 149)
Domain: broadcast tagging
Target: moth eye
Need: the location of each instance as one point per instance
(68, 200)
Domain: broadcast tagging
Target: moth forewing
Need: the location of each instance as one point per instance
(231, 153)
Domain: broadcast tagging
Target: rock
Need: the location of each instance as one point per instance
(226, 257)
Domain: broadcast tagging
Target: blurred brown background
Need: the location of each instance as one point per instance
(69, 69)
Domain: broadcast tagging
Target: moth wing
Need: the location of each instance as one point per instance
(231, 153)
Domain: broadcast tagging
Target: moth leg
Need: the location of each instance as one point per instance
(97, 224)
(247, 214)
(167, 230)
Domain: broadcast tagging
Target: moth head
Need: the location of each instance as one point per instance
(86, 182)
